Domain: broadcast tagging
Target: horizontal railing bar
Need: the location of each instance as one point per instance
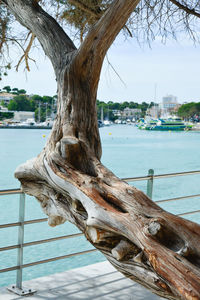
(35, 221)
(41, 241)
(178, 198)
(10, 225)
(11, 192)
(25, 223)
(189, 213)
(46, 260)
(19, 191)
(140, 178)
(161, 176)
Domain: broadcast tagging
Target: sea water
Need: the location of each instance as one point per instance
(128, 152)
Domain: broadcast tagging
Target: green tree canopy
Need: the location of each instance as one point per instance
(21, 103)
(188, 110)
(7, 88)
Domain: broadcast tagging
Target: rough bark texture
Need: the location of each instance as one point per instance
(155, 248)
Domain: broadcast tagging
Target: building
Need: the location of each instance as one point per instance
(6, 97)
(154, 112)
(21, 116)
(169, 103)
(129, 113)
(117, 112)
(3, 109)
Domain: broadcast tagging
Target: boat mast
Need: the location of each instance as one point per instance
(155, 95)
(102, 114)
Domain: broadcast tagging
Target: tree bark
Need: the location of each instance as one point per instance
(147, 244)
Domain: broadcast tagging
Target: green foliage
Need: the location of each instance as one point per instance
(7, 88)
(36, 98)
(14, 91)
(6, 115)
(22, 91)
(84, 13)
(2, 103)
(47, 99)
(189, 110)
(21, 103)
(36, 103)
(42, 115)
(108, 107)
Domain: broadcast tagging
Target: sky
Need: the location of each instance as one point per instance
(144, 74)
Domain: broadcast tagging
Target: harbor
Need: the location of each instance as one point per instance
(128, 152)
(99, 150)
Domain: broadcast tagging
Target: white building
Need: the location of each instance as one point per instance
(6, 97)
(169, 103)
(131, 112)
(3, 109)
(21, 116)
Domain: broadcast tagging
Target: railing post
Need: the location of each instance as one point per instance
(20, 240)
(150, 183)
(18, 288)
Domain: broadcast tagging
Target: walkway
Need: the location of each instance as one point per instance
(94, 282)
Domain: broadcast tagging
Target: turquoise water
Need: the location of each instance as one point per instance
(128, 152)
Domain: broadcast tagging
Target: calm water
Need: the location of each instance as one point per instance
(128, 152)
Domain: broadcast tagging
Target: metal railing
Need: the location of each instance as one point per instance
(21, 223)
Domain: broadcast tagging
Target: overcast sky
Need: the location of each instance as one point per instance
(173, 68)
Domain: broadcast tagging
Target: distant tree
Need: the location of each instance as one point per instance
(15, 89)
(47, 99)
(42, 116)
(21, 103)
(22, 91)
(124, 105)
(37, 98)
(6, 115)
(133, 105)
(116, 105)
(13, 105)
(2, 103)
(7, 88)
(188, 110)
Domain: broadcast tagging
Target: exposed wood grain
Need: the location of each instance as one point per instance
(155, 248)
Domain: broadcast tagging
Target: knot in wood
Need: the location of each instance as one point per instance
(154, 227)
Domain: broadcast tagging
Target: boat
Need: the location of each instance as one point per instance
(147, 123)
(169, 124)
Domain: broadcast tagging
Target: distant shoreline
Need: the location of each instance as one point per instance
(25, 127)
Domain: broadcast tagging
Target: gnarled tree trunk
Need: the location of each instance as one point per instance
(155, 248)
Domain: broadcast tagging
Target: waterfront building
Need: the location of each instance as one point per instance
(22, 116)
(3, 108)
(154, 112)
(169, 104)
(131, 113)
(6, 97)
(127, 113)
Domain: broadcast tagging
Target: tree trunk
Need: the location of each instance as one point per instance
(145, 243)
(155, 248)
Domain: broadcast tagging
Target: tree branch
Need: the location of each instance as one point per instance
(186, 8)
(93, 49)
(86, 8)
(25, 56)
(54, 40)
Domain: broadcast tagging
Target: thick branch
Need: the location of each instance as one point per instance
(188, 10)
(147, 244)
(54, 40)
(101, 36)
